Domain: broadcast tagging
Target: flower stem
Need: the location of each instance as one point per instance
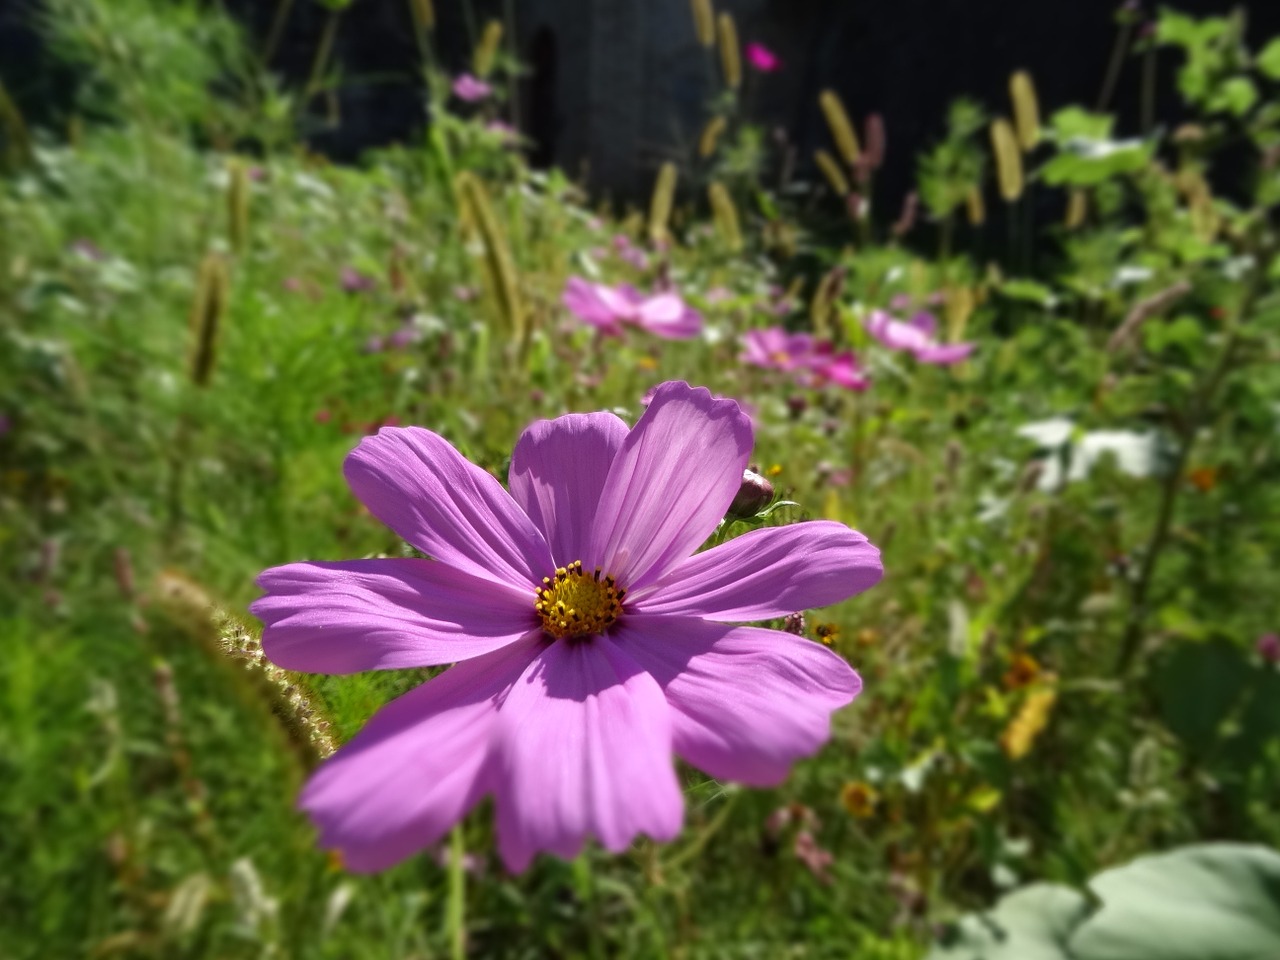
(456, 906)
(1198, 412)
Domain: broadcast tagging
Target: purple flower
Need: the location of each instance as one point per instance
(842, 369)
(468, 88)
(353, 281)
(6, 424)
(775, 349)
(508, 134)
(87, 249)
(464, 293)
(1269, 647)
(916, 337)
(589, 645)
(762, 58)
(611, 308)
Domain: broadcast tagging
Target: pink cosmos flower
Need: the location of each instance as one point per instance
(762, 58)
(775, 349)
(916, 337)
(589, 643)
(842, 369)
(1269, 647)
(469, 89)
(611, 308)
(353, 281)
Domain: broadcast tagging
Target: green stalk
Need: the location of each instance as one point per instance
(283, 8)
(1198, 411)
(1114, 65)
(324, 51)
(1149, 89)
(456, 906)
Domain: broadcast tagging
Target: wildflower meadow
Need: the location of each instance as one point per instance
(440, 554)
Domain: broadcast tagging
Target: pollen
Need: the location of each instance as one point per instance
(574, 603)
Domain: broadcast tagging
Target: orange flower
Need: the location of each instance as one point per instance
(859, 798)
(1204, 479)
(1023, 671)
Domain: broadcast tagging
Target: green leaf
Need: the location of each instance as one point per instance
(1210, 902)
(1236, 96)
(1207, 902)
(1073, 122)
(1033, 923)
(1197, 686)
(1029, 291)
(1269, 59)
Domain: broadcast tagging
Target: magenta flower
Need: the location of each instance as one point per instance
(353, 281)
(842, 369)
(762, 58)
(469, 89)
(775, 349)
(611, 308)
(916, 337)
(1269, 647)
(589, 644)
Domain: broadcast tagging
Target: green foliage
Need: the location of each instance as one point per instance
(1078, 521)
(956, 165)
(1211, 902)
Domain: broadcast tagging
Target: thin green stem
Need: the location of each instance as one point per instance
(1198, 411)
(283, 8)
(456, 907)
(1114, 65)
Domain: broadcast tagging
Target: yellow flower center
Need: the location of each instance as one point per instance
(574, 603)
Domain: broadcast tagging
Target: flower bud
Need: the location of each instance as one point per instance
(753, 496)
(1269, 647)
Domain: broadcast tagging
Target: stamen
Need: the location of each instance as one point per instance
(573, 604)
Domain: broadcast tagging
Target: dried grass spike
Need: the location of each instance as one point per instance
(831, 170)
(1008, 159)
(237, 205)
(15, 131)
(664, 193)
(704, 22)
(730, 55)
(1077, 209)
(710, 137)
(424, 14)
(1026, 109)
(726, 216)
(207, 313)
(500, 268)
(975, 206)
(842, 131)
(487, 48)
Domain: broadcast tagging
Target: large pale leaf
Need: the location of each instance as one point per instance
(1208, 902)
(1033, 923)
(1211, 902)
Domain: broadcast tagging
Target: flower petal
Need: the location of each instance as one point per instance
(945, 353)
(894, 334)
(746, 702)
(765, 573)
(672, 481)
(666, 315)
(582, 299)
(558, 469)
(416, 483)
(417, 767)
(385, 614)
(585, 739)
